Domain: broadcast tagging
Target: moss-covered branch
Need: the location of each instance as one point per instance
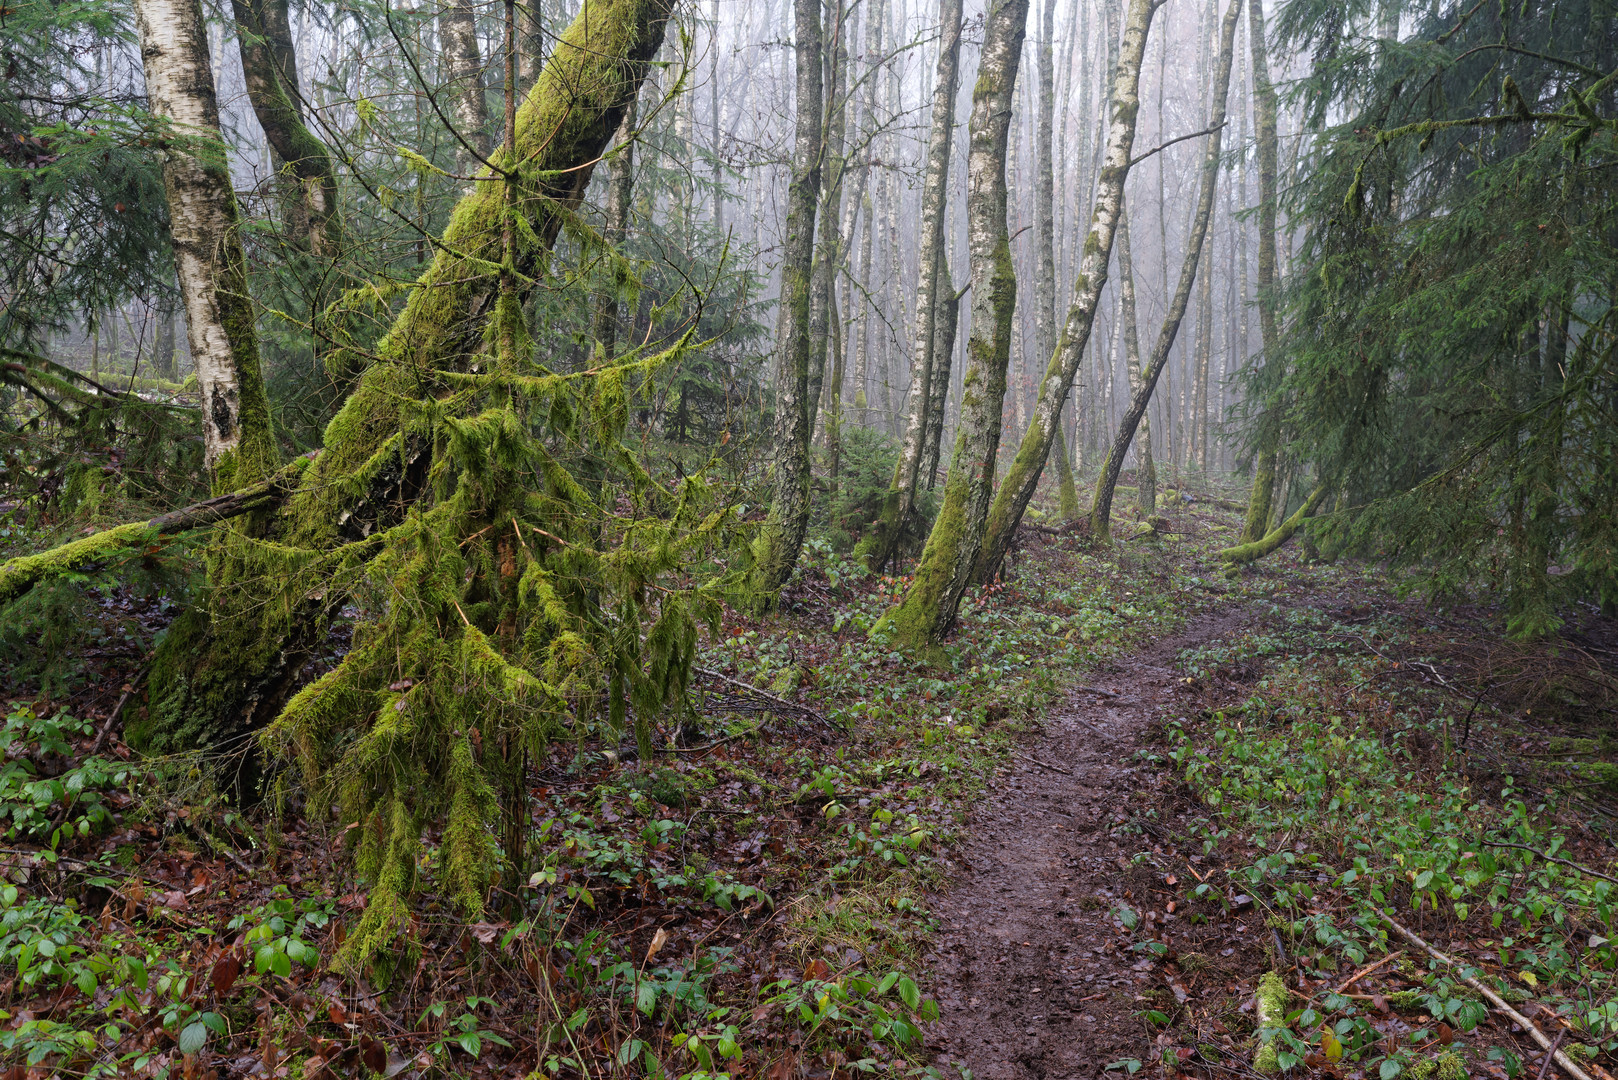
(1242, 554)
(22, 573)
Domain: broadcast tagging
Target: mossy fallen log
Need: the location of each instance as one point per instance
(1241, 554)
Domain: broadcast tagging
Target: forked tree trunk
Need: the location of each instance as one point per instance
(1018, 486)
(269, 64)
(1101, 509)
(781, 538)
(1258, 503)
(238, 444)
(900, 501)
(928, 610)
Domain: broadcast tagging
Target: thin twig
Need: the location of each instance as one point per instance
(802, 710)
(1360, 974)
(1042, 764)
(1552, 858)
(1495, 999)
(1546, 1064)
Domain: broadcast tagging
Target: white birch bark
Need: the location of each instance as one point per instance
(208, 256)
(1018, 487)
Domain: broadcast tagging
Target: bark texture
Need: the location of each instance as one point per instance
(900, 502)
(1018, 487)
(1264, 128)
(270, 66)
(928, 611)
(776, 549)
(1101, 508)
(208, 256)
(463, 70)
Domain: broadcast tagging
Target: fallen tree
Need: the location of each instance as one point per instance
(459, 506)
(1236, 557)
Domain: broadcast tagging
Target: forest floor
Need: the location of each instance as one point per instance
(1072, 848)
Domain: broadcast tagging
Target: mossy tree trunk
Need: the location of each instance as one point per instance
(270, 66)
(1106, 483)
(899, 503)
(1023, 476)
(928, 611)
(208, 257)
(1264, 124)
(781, 538)
(945, 326)
(227, 665)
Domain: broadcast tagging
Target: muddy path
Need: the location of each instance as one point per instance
(1033, 977)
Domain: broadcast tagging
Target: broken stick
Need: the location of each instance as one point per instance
(1494, 999)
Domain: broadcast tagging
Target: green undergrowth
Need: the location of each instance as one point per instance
(753, 895)
(1336, 791)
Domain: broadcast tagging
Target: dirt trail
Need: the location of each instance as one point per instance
(1029, 969)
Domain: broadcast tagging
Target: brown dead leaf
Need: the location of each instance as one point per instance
(659, 939)
(225, 972)
(373, 1054)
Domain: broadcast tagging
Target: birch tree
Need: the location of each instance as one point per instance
(899, 504)
(1045, 245)
(1101, 509)
(776, 550)
(928, 611)
(1264, 129)
(208, 257)
(1018, 487)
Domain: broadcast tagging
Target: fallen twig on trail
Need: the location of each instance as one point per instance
(1495, 999)
(1581, 868)
(1042, 764)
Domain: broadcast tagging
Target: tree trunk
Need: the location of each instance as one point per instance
(463, 67)
(1258, 503)
(875, 17)
(212, 268)
(829, 249)
(1045, 242)
(269, 65)
(1145, 482)
(944, 328)
(225, 669)
(1101, 508)
(620, 193)
(900, 501)
(928, 611)
(163, 349)
(1023, 476)
(776, 549)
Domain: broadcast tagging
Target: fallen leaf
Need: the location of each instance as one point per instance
(658, 940)
(225, 971)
